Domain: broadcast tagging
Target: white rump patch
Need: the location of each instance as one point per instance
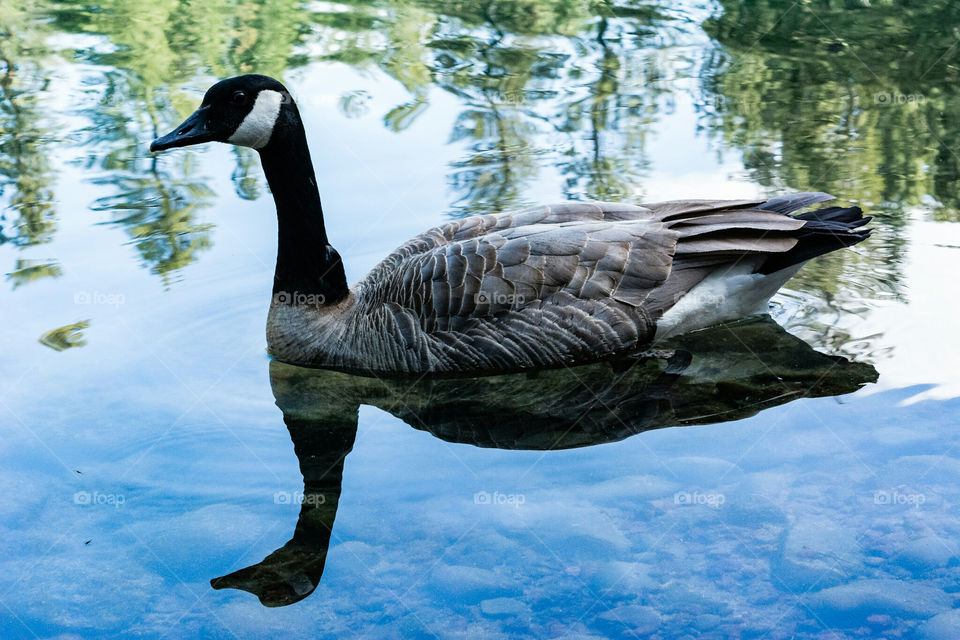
(723, 296)
(257, 127)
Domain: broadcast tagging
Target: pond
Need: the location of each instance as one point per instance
(793, 477)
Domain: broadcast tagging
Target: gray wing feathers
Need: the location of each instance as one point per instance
(794, 201)
(557, 283)
(541, 286)
(736, 244)
(679, 209)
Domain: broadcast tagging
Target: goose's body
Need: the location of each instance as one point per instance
(550, 285)
(542, 287)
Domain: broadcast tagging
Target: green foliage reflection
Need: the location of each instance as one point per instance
(854, 99)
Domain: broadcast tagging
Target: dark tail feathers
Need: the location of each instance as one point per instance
(826, 230)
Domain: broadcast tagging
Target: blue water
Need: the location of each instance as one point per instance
(143, 453)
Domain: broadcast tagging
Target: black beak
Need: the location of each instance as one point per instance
(193, 130)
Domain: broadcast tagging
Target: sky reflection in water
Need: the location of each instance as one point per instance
(143, 456)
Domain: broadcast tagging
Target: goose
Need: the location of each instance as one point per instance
(548, 286)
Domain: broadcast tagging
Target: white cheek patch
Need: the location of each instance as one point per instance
(257, 127)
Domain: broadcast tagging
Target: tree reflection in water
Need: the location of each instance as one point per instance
(811, 96)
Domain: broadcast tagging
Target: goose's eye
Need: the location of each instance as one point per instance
(238, 97)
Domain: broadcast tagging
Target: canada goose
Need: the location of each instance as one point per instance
(542, 287)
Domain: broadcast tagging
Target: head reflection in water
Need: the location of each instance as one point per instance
(702, 378)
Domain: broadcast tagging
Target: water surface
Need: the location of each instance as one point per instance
(795, 479)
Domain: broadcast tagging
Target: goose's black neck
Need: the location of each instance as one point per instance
(308, 268)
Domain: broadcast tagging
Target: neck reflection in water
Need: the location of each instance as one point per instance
(716, 375)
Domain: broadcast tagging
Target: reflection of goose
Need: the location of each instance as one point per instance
(702, 378)
(541, 287)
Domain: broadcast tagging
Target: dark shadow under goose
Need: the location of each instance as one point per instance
(707, 377)
(544, 287)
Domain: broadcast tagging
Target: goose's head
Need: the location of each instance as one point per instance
(245, 110)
